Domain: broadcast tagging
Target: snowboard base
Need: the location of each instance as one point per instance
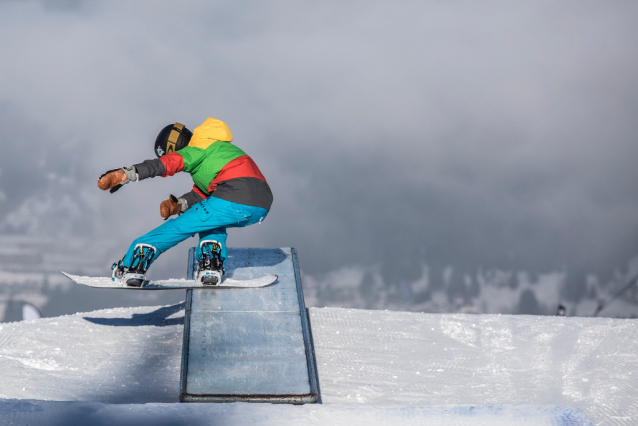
(172, 284)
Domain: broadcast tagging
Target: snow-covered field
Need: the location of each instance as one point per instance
(121, 366)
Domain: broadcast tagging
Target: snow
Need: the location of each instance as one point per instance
(30, 312)
(94, 414)
(375, 367)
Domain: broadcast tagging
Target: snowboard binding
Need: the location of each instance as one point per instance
(211, 266)
(134, 276)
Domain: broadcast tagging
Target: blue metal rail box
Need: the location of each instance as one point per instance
(250, 345)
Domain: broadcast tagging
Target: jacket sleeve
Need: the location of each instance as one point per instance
(149, 169)
(193, 197)
(186, 159)
(173, 163)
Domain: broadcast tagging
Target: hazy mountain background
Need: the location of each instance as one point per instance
(459, 156)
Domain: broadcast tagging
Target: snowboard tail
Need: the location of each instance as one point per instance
(172, 284)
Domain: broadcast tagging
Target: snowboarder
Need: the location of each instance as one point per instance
(228, 191)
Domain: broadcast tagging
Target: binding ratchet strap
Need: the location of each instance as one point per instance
(173, 137)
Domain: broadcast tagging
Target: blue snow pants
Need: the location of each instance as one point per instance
(209, 218)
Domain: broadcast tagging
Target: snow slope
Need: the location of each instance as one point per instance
(240, 414)
(375, 367)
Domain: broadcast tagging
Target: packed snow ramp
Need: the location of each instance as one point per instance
(250, 344)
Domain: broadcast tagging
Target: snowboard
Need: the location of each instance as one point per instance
(172, 284)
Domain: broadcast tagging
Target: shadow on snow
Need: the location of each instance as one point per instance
(157, 318)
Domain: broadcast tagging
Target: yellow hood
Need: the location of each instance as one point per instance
(210, 131)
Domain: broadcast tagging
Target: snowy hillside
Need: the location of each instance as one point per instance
(30, 272)
(486, 291)
(375, 367)
(489, 292)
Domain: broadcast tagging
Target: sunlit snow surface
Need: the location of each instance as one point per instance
(375, 367)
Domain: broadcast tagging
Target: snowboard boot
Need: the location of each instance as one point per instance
(134, 276)
(211, 266)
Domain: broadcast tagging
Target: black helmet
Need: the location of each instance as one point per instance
(172, 138)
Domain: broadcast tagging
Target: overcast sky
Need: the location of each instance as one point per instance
(394, 134)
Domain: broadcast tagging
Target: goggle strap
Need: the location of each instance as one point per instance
(173, 137)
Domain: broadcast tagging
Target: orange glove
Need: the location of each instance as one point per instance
(170, 207)
(113, 180)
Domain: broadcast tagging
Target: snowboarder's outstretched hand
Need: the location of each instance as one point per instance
(170, 207)
(114, 179)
